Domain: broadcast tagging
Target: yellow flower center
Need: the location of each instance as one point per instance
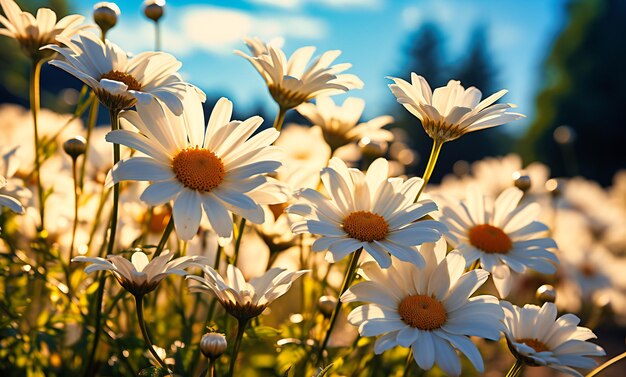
(534, 344)
(124, 77)
(490, 239)
(422, 312)
(198, 169)
(365, 226)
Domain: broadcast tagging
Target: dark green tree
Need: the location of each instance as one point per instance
(583, 88)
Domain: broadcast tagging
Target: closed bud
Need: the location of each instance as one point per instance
(153, 9)
(105, 15)
(213, 345)
(555, 187)
(522, 181)
(546, 293)
(75, 146)
(327, 305)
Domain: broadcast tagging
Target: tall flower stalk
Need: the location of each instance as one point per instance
(35, 92)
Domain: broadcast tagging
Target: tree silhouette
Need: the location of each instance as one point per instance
(583, 89)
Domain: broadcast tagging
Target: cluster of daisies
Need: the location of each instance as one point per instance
(254, 207)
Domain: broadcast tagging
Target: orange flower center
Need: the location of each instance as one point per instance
(365, 226)
(198, 169)
(422, 312)
(124, 77)
(490, 239)
(534, 344)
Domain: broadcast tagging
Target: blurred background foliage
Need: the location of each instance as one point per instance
(581, 87)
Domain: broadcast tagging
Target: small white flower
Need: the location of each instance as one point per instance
(502, 235)
(294, 81)
(244, 300)
(120, 81)
(221, 169)
(366, 210)
(429, 309)
(536, 337)
(340, 124)
(139, 275)
(33, 33)
(451, 111)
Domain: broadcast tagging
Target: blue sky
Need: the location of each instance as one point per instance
(371, 34)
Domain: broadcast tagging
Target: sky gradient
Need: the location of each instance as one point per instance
(372, 34)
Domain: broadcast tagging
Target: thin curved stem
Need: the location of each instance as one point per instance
(157, 36)
(74, 227)
(430, 166)
(408, 364)
(241, 328)
(350, 272)
(35, 103)
(91, 123)
(602, 367)
(280, 118)
(516, 369)
(164, 237)
(144, 333)
(115, 125)
(98, 328)
(242, 226)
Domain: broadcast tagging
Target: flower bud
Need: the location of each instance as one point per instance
(326, 305)
(75, 146)
(546, 293)
(213, 345)
(153, 9)
(105, 14)
(555, 187)
(522, 181)
(564, 135)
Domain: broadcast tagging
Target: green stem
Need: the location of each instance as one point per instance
(35, 103)
(242, 226)
(350, 272)
(241, 328)
(98, 329)
(280, 118)
(91, 123)
(430, 167)
(602, 367)
(157, 36)
(115, 125)
(516, 369)
(74, 227)
(211, 370)
(408, 364)
(165, 237)
(144, 332)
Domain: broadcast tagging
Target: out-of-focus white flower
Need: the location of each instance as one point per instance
(451, 111)
(8, 201)
(502, 235)
(139, 275)
(429, 309)
(294, 81)
(35, 32)
(366, 210)
(244, 300)
(222, 169)
(117, 80)
(340, 124)
(537, 338)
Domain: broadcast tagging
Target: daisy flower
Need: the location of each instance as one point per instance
(502, 235)
(294, 81)
(222, 169)
(366, 210)
(340, 124)
(35, 32)
(139, 275)
(117, 80)
(8, 201)
(537, 338)
(449, 112)
(244, 300)
(429, 309)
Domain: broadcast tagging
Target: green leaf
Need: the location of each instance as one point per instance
(323, 372)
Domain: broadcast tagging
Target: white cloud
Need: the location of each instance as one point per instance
(292, 4)
(214, 29)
